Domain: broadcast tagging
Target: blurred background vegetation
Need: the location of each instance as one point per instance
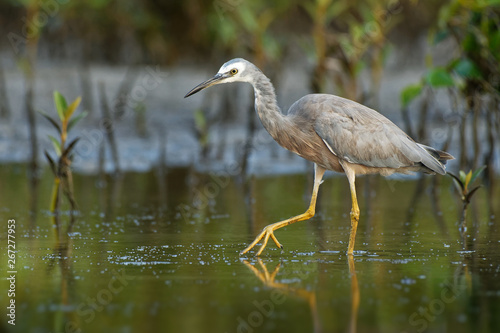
(170, 31)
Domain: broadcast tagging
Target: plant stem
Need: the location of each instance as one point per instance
(54, 206)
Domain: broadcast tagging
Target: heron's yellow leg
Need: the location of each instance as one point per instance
(269, 230)
(355, 209)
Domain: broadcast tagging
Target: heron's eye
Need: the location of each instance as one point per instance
(234, 71)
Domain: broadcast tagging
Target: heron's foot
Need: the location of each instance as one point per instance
(265, 234)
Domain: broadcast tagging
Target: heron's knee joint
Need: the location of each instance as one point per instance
(309, 213)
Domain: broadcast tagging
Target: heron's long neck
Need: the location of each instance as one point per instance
(266, 105)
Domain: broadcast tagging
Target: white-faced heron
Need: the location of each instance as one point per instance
(333, 132)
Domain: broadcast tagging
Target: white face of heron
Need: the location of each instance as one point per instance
(234, 70)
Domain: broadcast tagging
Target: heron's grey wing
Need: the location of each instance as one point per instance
(363, 136)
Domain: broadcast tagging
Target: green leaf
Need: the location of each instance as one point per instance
(477, 173)
(70, 146)
(457, 182)
(70, 109)
(462, 177)
(76, 119)
(467, 179)
(410, 93)
(52, 163)
(439, 78)
(467, 69)
(471, 193)
(51, 120)
(56, 144)
(60, 103)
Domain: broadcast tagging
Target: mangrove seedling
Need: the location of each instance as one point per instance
(463, 183)
(60, 166)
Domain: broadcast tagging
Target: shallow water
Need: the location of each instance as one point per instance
(160, 253)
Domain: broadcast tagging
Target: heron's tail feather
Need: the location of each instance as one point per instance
(440, 155)
(437, 159)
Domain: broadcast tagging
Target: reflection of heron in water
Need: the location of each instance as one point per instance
(354, 295)
(336, 134)
(268, 279)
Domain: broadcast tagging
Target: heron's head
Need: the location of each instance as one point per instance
(236, 70)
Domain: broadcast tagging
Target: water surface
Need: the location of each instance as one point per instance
(160, 253)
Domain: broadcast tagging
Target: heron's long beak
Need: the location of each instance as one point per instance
(210, 82)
